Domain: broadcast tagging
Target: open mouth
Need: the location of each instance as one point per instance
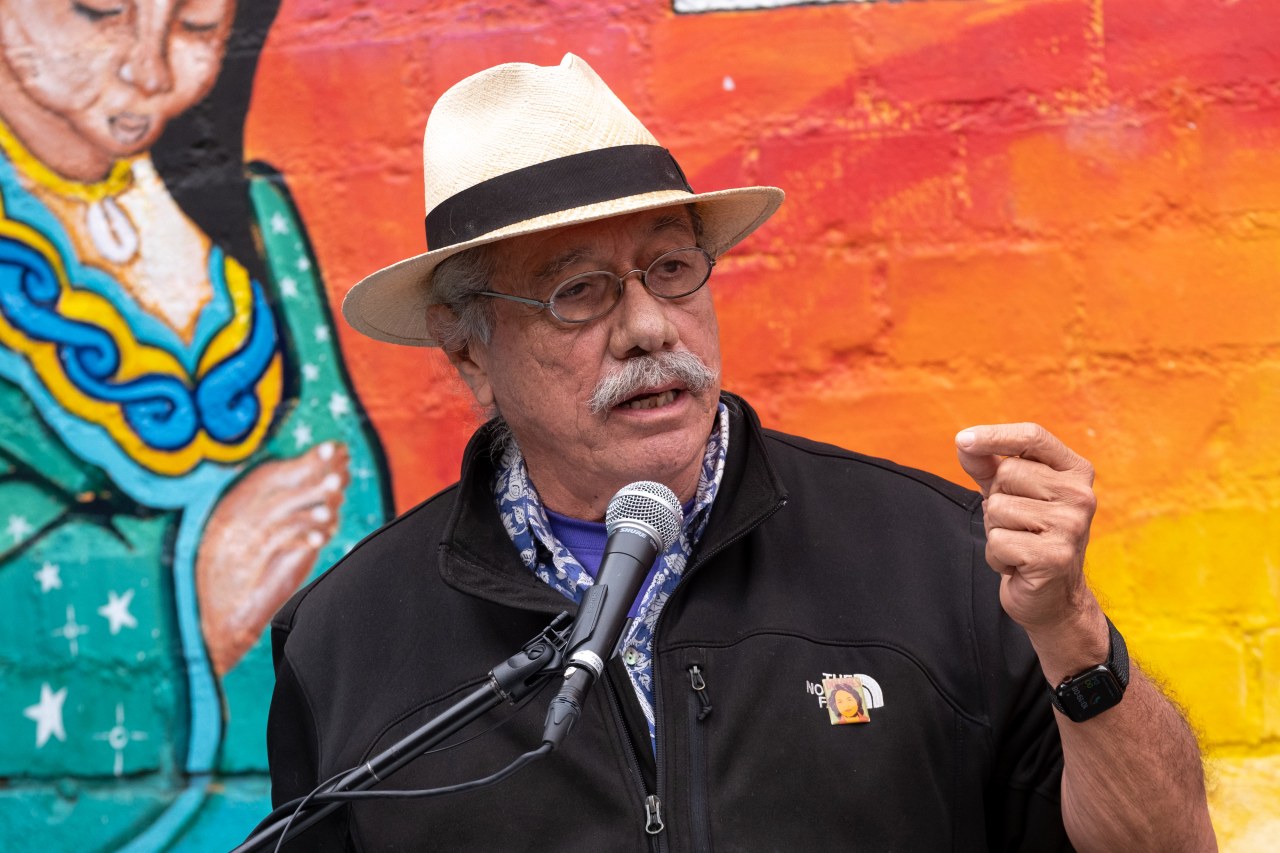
(651, 401)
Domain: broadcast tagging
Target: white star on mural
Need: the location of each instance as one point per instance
(116, 611)
(288, 287)
(310, 372)
(47, 714)
(322, 334)
(118, 737)
(48, 577)
(304, 264)
(279, 225)
(339, 404)
(19, 528)
(71, 631)
(301, 435)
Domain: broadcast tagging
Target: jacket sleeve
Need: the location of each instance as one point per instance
(293, 752)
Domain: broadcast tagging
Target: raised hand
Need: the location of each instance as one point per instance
(261, 541)
(1038, 504)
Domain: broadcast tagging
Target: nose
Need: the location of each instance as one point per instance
(146, 65)
(148, 71)
(641, 321)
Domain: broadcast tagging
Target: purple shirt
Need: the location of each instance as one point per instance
(586, 541)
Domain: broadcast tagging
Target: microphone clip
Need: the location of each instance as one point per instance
(518, 675)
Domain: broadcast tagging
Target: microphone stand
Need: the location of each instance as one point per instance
(509, 681)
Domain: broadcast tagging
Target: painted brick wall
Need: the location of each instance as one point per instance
(1065, 211)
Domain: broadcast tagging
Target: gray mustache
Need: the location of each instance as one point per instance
(647, 371)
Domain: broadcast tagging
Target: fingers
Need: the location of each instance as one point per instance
(1061, 519)
(1029, 555)
(1038, 505)
(981, 446)
(1027, 479)
(261, 542)
(280, 489)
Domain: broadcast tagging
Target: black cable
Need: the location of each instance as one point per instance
(284, 833)
(492, 779)
(345, 796)
(291, 808)
(318, 795)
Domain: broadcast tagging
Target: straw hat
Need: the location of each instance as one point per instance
(520, 148)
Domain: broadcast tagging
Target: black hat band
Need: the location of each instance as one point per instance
(561, 184)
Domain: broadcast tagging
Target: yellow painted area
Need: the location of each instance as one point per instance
(1244, 799)
(1198, 596)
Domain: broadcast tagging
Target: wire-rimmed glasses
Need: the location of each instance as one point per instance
(589, 295)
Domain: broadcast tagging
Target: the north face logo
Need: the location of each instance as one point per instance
(871, 692)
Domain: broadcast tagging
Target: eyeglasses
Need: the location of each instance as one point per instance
(589, 295)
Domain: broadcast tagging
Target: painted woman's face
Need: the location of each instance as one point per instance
(115, 71)
(846, 705)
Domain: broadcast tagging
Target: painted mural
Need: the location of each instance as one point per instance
(741, 5)
(180, 445)
(1065, 211)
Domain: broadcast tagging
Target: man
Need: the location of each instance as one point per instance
(564, 278)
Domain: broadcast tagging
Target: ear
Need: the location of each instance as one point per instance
(471, 361)
(472, 364)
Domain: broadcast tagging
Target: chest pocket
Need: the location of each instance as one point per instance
(765, 769)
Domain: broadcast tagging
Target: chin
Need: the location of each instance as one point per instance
(676, 466)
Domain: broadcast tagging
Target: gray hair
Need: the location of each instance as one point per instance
(456, 281)
(454, 285)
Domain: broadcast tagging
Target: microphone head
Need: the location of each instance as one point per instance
(650, 504)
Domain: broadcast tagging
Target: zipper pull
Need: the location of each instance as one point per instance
(653, 815)
(700, 690)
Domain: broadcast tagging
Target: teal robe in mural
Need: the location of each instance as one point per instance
(118, 439)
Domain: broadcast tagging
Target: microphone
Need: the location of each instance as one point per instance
(643, 519)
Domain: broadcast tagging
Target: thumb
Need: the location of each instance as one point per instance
(980, 466)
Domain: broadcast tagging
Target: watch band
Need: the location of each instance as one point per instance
(1117, 663)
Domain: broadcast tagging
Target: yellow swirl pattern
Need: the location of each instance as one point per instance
(138, 359)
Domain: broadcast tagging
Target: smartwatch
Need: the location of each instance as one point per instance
(1087, 694)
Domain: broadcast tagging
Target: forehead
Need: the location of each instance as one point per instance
(604, 242)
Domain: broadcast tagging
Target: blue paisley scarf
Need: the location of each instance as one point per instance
(526, 523)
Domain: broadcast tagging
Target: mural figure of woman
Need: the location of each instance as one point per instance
(180, 446)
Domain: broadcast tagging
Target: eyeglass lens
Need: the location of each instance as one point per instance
(670, 276)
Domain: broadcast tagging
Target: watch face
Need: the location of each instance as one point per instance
(1090, 693)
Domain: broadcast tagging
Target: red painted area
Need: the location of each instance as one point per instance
(999, 186)
(1190, 44)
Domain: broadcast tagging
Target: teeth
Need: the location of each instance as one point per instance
(652, 401)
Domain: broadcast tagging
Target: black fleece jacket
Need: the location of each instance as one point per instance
(816, 562)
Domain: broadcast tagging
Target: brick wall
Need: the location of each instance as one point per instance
(1061, 211)
(1065, 211)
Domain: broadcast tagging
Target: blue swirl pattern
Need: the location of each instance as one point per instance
(166, 412)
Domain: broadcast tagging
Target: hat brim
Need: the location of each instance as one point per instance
(391, 304)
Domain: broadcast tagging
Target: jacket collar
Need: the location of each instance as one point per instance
(478, 558)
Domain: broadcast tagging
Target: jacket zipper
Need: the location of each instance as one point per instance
(700, 817)
(653, 822)
(699, 710)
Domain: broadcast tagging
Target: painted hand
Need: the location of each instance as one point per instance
(261, 542)
(1038, 503)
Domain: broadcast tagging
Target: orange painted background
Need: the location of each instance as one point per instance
(1065, 211)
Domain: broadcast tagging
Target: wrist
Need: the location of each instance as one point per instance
(1099, 688)
(1072, 644)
